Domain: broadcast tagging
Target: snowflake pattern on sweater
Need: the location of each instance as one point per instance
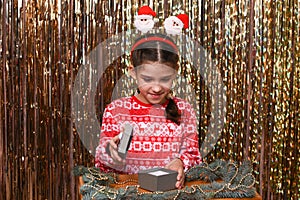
(156, 140)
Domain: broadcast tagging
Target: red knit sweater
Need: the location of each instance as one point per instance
(156, 140)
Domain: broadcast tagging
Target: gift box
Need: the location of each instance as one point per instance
(157, 179)
(125, 139)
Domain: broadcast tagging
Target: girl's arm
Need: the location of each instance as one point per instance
(108, 141)
(189, 153)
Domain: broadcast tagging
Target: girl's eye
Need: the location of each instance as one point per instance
(147, 79)
(166, 80)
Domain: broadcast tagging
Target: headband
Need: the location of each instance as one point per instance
(154, 38)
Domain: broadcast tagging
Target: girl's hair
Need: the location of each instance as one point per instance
(158, 48)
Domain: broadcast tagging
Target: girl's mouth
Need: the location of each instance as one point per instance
(155, 96)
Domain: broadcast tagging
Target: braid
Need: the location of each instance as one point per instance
(172, 112)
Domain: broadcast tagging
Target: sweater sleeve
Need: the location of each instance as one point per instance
(109, 129)
(189, 152)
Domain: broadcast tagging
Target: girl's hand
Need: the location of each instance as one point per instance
(113, 149)
(177, 165)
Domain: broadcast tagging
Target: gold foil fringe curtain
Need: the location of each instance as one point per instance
(255, 45)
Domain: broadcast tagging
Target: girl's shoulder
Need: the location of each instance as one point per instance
(182, 103)
(119, 102)
(180, 100)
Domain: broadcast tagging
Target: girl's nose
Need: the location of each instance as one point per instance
(156, 87)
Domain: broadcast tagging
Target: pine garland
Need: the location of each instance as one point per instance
(225, 179)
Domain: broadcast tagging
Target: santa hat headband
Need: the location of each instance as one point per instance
(173, 25)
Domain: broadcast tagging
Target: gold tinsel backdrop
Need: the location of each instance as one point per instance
(255, 45)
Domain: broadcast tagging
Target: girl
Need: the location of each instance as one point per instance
(164, 127)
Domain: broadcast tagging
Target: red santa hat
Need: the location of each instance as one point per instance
(146, 10)
(184, 18)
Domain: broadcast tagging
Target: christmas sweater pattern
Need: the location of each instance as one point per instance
(156, 140)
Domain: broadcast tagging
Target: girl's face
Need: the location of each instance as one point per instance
(154, 81)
